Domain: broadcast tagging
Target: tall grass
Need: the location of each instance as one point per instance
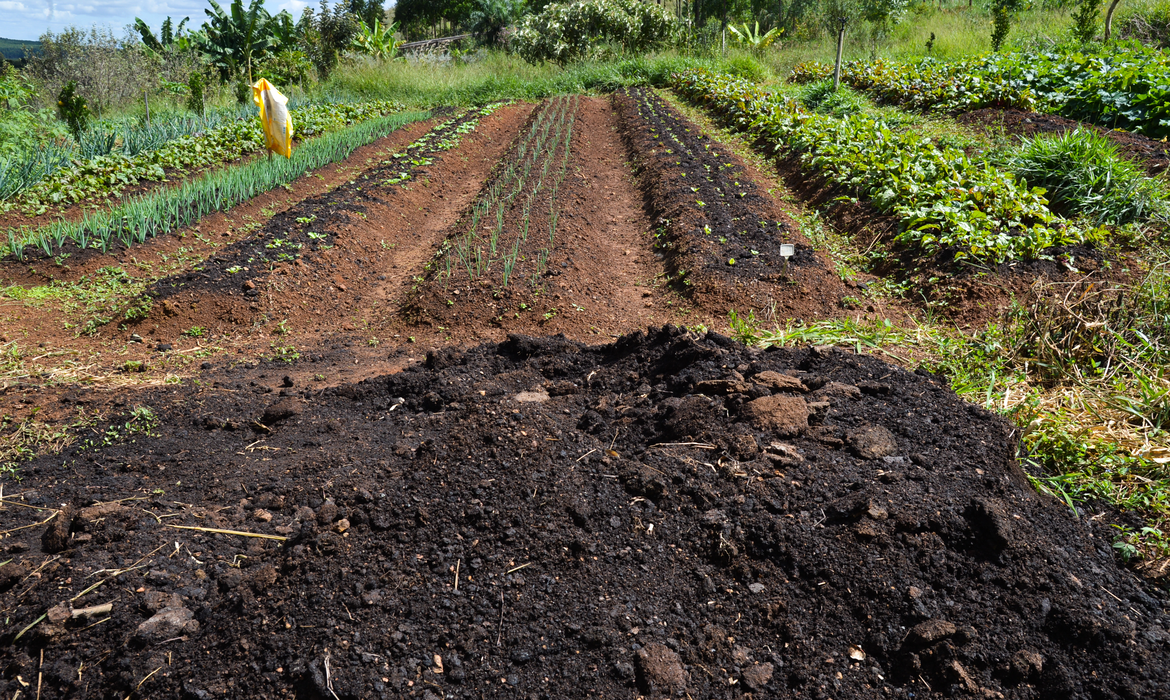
(499, 76)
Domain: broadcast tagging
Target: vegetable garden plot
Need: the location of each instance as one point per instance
(671, 514)
(157, 213)
(1117, 87)
(311, 226)
(721, 239)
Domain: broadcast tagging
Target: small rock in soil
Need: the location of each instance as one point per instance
(787, 416)
(661, 669)
(56, 537)
(929, 632)
(779, 382)
(757, 676)
(167, 623)
(165, 347)
(281, 410)
(873, 442)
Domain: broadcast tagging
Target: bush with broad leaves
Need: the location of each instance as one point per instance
(566, 32)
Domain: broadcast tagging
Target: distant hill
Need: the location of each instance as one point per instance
(13, 49)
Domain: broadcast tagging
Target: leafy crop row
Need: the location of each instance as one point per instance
(945, 201)
(1125, 88)
(163, 211)
(130, 138)
(108, 175)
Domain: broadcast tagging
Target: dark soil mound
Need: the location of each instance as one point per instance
(541, 519)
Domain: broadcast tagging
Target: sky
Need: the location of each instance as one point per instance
(28, 19)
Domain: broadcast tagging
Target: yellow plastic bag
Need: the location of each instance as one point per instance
(274, 117)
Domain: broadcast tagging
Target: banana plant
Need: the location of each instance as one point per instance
(233, 42)
(376, 41)
(753, 39)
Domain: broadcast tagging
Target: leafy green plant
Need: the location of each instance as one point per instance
(1085, 175)
(944, 200)
(565, 32)
(376, 41)
(1085, 18)
(73, 109)
(754, 40)
(195, 100)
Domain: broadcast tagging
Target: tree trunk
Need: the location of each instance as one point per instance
(1109, 19)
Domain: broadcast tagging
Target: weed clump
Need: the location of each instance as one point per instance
(1085, 175)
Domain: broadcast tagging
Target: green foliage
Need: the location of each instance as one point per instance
(166, 210)
(566, 32)
(234, 41)
(823, 98)
(169, 39)
(1085, 175)
(754, 40)
(326, 34)
(285, 67)
(746, 67)
(1125, 87)
(489, 19)
(23, 130)
(500, 77)
(376, 41)
(946, 203)
(73, 109)
(108, 175)
(195, 98)
(1084, 27)
(1001, 23)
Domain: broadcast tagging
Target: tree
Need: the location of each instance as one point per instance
(169, 38)
(233, 41)
(490, 18)
(1109, 19)
(367, 11)
(326, 34)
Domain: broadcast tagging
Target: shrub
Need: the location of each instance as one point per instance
(1085, 20)
(1084, 174)
(747, 68)
(73, 109)
(195, 93)
(566, 32)
(821, 97)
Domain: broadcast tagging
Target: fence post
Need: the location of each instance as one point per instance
(840, 46)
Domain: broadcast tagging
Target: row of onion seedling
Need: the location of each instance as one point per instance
(537, 165)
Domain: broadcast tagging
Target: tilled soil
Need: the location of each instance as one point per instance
(721, 236)
(670, 514)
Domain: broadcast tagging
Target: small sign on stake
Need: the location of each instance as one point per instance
(787, 250)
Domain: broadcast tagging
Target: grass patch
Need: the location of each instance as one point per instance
(1085, 175)
(498, 76)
